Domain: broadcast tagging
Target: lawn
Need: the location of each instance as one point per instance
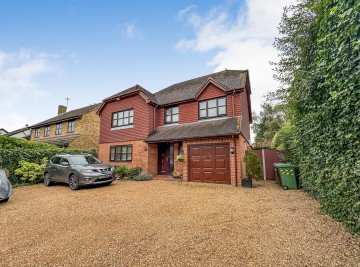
(163, 223)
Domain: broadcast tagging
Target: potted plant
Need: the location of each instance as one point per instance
(253, 169)
(180, 158)
(176, 174)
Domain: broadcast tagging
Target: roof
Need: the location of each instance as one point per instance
(131, 90)
(60, 140)
(201, 129)
(18, 131)
(229, 79)
(73, 114)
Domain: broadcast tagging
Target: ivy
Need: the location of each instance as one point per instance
(320, 74)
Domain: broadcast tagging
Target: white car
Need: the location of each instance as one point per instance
(5, 187)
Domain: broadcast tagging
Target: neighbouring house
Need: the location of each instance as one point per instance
(3, 131)
(78, 128)
(20, 133)
(206, 119)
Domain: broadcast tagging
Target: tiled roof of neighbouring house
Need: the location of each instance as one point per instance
(200, 129)
(17, 131)
(73, 114)
(230, 79)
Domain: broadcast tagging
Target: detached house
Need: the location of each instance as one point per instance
(78, 128)
(206, 119)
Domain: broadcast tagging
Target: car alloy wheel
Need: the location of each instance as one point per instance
(74, 182)
(47, 179)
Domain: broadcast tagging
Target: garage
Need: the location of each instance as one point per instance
(209, 163)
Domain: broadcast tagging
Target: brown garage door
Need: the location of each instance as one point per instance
(209, 163)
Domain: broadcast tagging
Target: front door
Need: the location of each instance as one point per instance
(164, 158)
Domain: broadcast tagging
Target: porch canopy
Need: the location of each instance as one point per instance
(201, 129)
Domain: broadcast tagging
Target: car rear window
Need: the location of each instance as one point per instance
(84, 160)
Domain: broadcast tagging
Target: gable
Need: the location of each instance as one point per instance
(211, 91)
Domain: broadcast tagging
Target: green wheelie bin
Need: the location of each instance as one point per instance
(289, 176)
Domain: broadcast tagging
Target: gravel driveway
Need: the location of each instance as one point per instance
(162, 223)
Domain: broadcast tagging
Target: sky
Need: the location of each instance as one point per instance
(87, 50)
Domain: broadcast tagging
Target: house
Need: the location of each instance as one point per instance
(207, 119)
(3, 131)
(20, 133)
(77, 128)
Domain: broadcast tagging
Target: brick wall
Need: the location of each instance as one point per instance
(147, 160)
(89, 127)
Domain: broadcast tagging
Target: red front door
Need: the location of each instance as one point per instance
(164, 158)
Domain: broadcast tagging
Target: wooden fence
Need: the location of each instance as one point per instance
(268, 158)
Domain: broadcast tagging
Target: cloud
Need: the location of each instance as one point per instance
(181, 14)
(243, 41)
(130, 30)
(19, 72)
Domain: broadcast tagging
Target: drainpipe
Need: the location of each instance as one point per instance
(154, 118)
(236, 174)
(264, 163)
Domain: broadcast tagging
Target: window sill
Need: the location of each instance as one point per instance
(214, 118)
(171, 124)
(122, 127)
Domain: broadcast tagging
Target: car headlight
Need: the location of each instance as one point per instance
(112, 169)
(87, 171)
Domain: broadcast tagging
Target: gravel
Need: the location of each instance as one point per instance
(163, 223)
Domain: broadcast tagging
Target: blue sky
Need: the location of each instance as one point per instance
(89, 50)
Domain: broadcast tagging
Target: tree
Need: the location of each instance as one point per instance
(267, 123)
(320, 76)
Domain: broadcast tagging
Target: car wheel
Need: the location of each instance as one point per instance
(74, 182)
(5, 200)
(109, 183)
(47, 179)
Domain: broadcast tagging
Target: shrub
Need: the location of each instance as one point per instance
(121, 171)
(31, 172)
(176, 174)
(253, 166)
(13, 143)
(180, 158)
(142, 177)
(134, 171)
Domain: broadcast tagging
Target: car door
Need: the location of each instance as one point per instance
(64, 170)
(54, 167)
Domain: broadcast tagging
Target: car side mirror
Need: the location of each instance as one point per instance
(65, 163)
(101, 161)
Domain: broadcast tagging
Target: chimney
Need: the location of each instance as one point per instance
(61, 109)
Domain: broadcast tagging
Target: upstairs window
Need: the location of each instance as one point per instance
(123, 118)
(37, 133)
(71, 126)
(58, 128)
(172, 115)
(212, 108)
(46, 131)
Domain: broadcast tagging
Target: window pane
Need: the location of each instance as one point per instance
(168, 118)
(115, 116)
(212, 103)
(175, 118)
(118, 150)
(112, 153)
(202, 105)
(222, 110)
(168, 111)
(130, 120)
(123, 149)
(126, 121)
(121, 115)
(131, 112)
(120, 122)
(126, 113)
(175, 110)
(203, 113)
(123, 157)
(114, 122)
(212, 112)
(128, 157)
(221, 101)
(129, 149)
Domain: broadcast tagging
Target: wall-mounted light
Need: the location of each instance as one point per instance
(232, 150)
(145, 148)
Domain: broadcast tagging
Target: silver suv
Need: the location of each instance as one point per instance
(77, 170)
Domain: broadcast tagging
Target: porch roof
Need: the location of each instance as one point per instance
(194, 130)
(61, 141)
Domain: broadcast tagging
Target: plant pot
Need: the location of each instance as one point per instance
(246, 182)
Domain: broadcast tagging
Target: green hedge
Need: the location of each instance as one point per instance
(9, 158)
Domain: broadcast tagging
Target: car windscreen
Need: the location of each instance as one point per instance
(84, 160)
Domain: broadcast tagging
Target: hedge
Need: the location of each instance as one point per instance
(9, 158)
